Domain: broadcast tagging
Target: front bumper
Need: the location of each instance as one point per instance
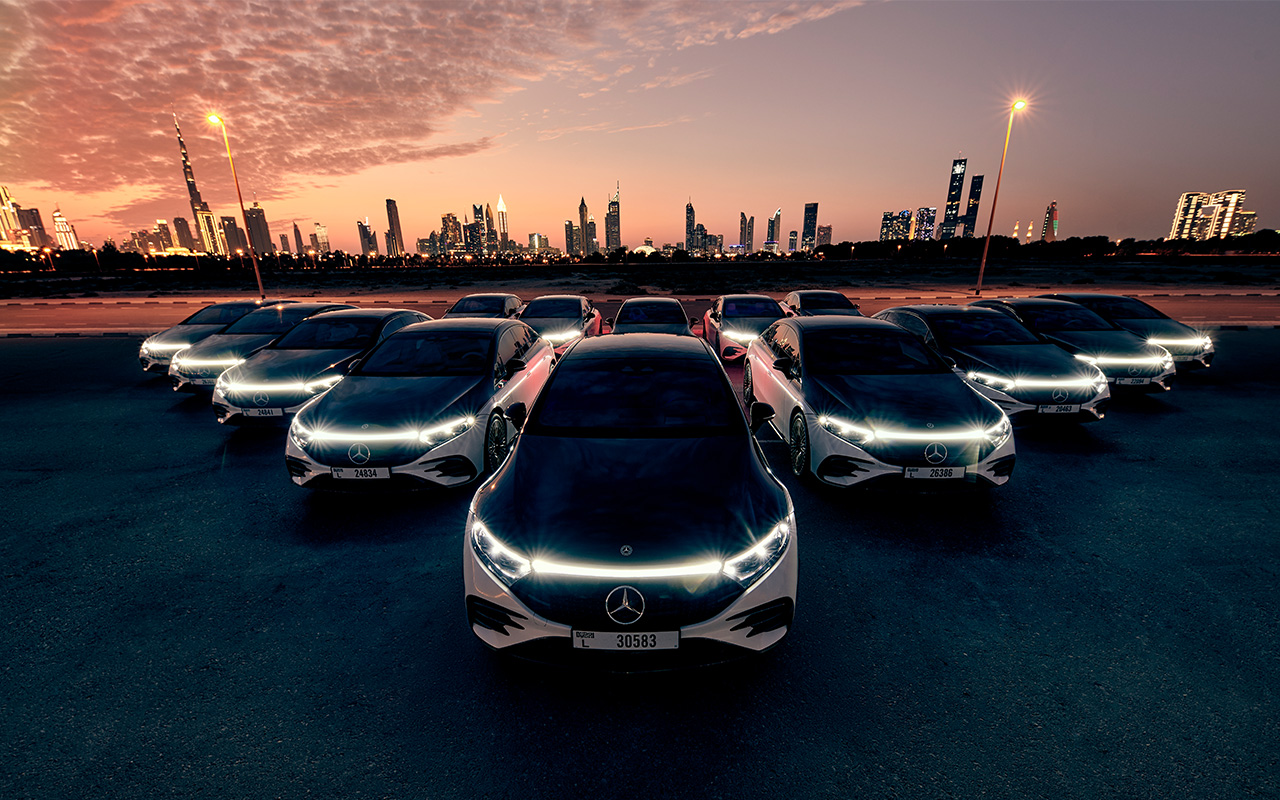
(454, 463)
(1024, 407)
(154, 363)
(238, 410)
(1120, 377)
(838, 462)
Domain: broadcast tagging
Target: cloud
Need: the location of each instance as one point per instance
(607, 127)
(674, 78)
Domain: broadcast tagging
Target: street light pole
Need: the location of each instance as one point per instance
(982, 265)
(262, 293)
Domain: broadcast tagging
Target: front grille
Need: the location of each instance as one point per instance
(492, 616)
(381, 454)
(668, 604)
(841, 467)
(454, 467)
(768, 617)
(1003, 467)
(912, 454)
(296, 466)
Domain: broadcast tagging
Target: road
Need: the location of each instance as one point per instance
(181, 621)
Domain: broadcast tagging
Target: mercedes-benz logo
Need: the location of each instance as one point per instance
(359, 453)
(626, 550)
(935, 452)
(1059, 395)
(624, 605)
(261, 398)
(1134, 369)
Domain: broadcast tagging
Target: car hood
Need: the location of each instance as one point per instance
(1025, 360)
(582, 500)
(1159, 328)
(1113, 343)
(184, 334)
(654, 327)
(473, 315)
(396, 403)
(291, 365)
(545, 325)
(942, 401)
(754, 325)
(222, 345)
(830, 312)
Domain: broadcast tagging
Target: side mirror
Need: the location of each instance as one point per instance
(518, 414)
(515, 365)
(760, 414)
(609, 321)
(783, 365)
(693, 321)
(951, 362)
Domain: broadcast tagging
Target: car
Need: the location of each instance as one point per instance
(1127, 360)
(594, 536)
(735, 320)
(423, 409)
(863, 402)
(273, 383)
(1028, 377)
(562, 318)
(196, 369)
(652, 315)
(1190, 348)
(157, 350)
(496, 306)
(819, 303)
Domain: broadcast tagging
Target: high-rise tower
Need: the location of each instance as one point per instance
(259, 231)
(690, 223)
(502, 224)
(810, 229)
(297, 239)
(63, 230)
(396, 238)
(951, 213)
(970, 218)
(1049, 230)
(772, 241)
(206, 227)
(613, 223)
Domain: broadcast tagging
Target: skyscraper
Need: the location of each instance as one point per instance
(297, 240)
(368, 239)
(807, 242)
(1049, 230)
(1206, 216)
(774, 237)
(1185, 216)
(259, 231)
(970, 218)
(589, 241)
(63, 231)
(211, 240)
(951, 212)
(451, 231)
(8, 216)
(395, 246)
(284, 242)
(163, 237)
(613, 222)
(895, 225)
(322, 237)
(502, 225)
(182, 233)
(29, 219)
(232, 236)
(490, 232)
(792, 239)
(689, 223)
(925, 218)
(824, 235)
(742, 232)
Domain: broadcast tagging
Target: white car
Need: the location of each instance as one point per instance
(157, 350)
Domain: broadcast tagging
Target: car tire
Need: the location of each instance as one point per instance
(799, 446)
(495, 442)
(748, 396)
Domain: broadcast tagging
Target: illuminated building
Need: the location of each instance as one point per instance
(792, 239)
(182, 234)
(395, 236)
(163, 237)
(775, 233)
(368, 239)
(613, 222)
(1049, 230)
(284, 244)
(808, 241)
(539, 243)
(64, 232)
(451, 231)
(951, 212)
(1016, 224)
(1200, 215)
(297, 238)
(925, 218)
(746, 233)
(232, 236)
(259, 232)
(211, 238)
(490, 232)
(689, 223)
(572, 237)
(9, 222)
(590, 242)
(583, 243)
(824, 235)
(970, 219)
(322, 238)
(502, 224)
(895, 225)
(29, 219)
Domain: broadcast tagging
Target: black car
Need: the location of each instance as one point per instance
(157, 350)
(820, 303)
(1190, 348)
(562, 318)
(595, 536)
(735, 320)
(494, 306)
(651, 315)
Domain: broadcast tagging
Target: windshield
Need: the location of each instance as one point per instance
(349, 333)
(959, 330)
(1121, 308)
(563, 307)
(276, 319)
(220, 314)
(651, 313)
(1063, 318)
(478, 305)
(809, 302)
(853, 352)
(636, 398)
(430, 353)
(752, 307)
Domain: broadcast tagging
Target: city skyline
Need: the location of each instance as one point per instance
(644, 97)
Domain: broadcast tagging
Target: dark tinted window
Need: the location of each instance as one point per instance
(659, 313)
(747, 307)
(430, 353)
(852, 352)
(1062, 318)
(959, 330)
(276, 319)
(913, 324)
(636, 397)
(824, 300)
(220, 314)
(324, 334)
(1121, 308)
(565, 307)
(478, 305)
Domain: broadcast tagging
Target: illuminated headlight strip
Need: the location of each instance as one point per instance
(1120, 360)
(263, 387)
(208, 362)
(638, 573)
(164, 346)
(1014, 383)
(424, 435)
(562, 336)
(1201, 341)
(741, 337)
(884, 435)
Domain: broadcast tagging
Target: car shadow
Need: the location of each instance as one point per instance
(331, 517)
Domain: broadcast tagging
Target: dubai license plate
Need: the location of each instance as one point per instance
(1184, 358)
(1058, 409)
(1132, 381)
(361, 473)
(203, 381)
(933, 473)
(264, 412)
(612, 640)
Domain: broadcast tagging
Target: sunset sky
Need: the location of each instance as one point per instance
(332, 107)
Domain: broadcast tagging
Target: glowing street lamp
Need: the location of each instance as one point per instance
(1017, 106)
(216, 120)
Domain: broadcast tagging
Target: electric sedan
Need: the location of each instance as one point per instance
(1022, 373)
(1190, 348)
(561, 318)
(652, 315)
(1126, 359)
(735, 320)
(197, 368)
(272, 384)
(157, 350)
(424, 408)
(820, 303)
(494, 306)
(863, 401)
(593, 537)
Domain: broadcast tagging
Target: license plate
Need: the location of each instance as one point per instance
(1184, 358)
(933, 472)
(264, 412)
(361, 473)
(612, 640)
(203, 381)
(1132, 381)
(1058, 409)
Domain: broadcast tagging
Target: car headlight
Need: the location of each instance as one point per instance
(999, 433)
(439, 434)
(561, 337)
(321, 384)
(300, 434)
(994, 381)
(508, 565)
(854, 434)
(749, 565)
(741, 337)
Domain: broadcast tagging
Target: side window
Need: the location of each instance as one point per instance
(506, 352)
(394, 324)
(916, 325)
(509, 306)
(785, 343)
(770, 333)
(525, 340)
